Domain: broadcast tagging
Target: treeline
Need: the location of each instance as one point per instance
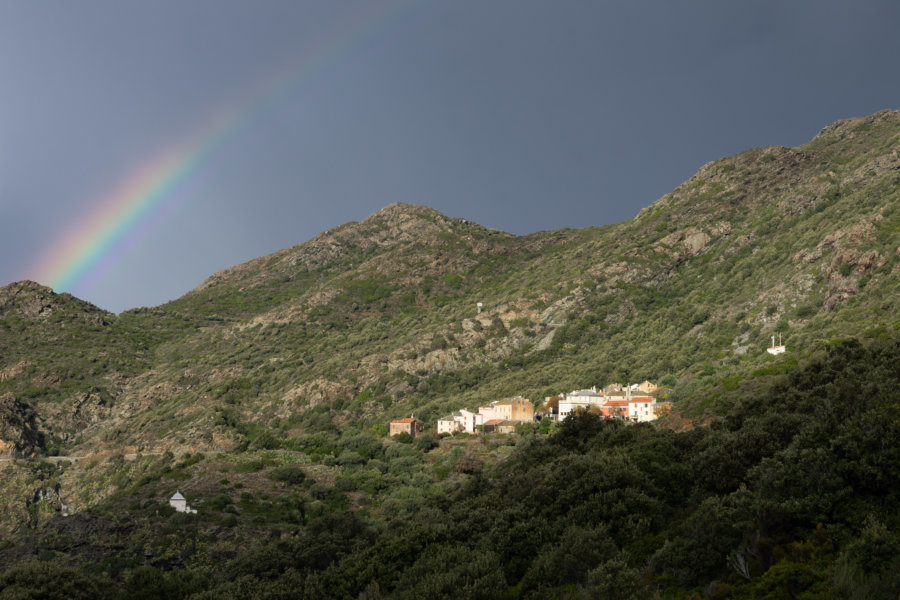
(792, 495)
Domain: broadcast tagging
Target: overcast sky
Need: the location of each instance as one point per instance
(521, 115)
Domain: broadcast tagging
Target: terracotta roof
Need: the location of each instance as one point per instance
(617, 403)
(407, 420)
(493, 422)
(642, 399)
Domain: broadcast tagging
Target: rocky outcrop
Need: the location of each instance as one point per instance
(19, 434)
(691, 241)
(67, 419)
(315, 392)
(849, 262)
(13, 371)
(33, 301)
(845, 272)
(432, 362)
(27, 300)
(851, 127)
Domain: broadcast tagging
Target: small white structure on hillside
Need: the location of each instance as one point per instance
(779, 349)
(178, 502)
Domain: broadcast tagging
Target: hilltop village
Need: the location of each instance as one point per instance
(637, 403)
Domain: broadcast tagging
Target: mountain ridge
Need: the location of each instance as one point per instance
(376, 319)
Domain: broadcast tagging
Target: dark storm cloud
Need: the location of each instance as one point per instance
(521, 115)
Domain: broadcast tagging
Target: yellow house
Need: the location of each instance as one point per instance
(648, 388)
(514, 409)
(449, 425)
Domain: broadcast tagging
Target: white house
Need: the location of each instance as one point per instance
(461, 420)
(468, 420)
(641, 409)
(486, 413)
(178, 502)
(580, 399)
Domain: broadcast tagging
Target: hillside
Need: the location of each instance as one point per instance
(299, 359)
(792, 495)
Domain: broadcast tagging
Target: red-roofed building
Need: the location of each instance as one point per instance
(411, 426)
(615, 409)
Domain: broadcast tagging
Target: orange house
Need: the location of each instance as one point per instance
(615, 409)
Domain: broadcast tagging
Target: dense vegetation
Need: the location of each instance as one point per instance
(792, 495)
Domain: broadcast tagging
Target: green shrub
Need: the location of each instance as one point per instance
(253, 466)
(292, 474)
(805, 311)
(425, 442)
(349, 458)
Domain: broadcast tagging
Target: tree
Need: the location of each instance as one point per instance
(425, 442)
(48, 581)
(552, 404)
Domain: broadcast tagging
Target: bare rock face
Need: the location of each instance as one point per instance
(694, 242)
(690, 241)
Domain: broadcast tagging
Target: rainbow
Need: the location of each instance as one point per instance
(90, 248)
